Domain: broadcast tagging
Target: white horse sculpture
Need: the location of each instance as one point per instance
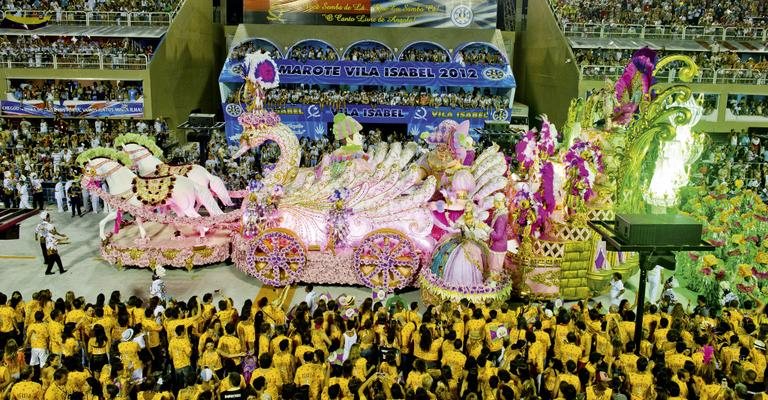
(182, 199)
(145, 154)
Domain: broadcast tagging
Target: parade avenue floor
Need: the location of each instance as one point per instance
(21, 266)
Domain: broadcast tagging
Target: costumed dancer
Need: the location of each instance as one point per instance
(41, 232)
(460, 259)
(52, 241)
(498, 237)
(8, 189)
(38, 200)
(23, 188)
(59, 194)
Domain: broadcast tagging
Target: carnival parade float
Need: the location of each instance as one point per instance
(441, 215)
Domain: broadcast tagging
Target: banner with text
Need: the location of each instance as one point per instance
(382, 74)
(71, 108)
(311, 121)
(386, 13)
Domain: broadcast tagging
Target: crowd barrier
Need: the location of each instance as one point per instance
(609, 31)
(77, 61)
(706, 75)
(101, 18)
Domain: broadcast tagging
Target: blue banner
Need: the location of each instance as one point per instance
(389, 13)
(312, 121)
(83, 109)
(392, 73)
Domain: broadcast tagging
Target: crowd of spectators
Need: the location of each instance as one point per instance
(339, 98)
(239, 51)
(469, 56)
(207, 347)
(369, 54)
(481, 56)
(34, 49)
(726, 64)
(743, 14)
(306, 53)
(424, 55)
(56, 92)
(748, 105)
(124, 6)
(48, 146)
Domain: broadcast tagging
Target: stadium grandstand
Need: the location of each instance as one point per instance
(585, 42)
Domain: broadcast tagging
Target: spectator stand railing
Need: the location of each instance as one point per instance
(77, 61)
(606, 31)
(742, 76)
(103, 18)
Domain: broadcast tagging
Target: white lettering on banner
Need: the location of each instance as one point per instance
(375, 112)
(316, 70)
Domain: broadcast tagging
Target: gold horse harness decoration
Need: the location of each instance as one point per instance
(167, 169)
(154, 191)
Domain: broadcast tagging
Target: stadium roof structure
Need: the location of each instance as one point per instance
(666, 44)
(341, 37)
(149, 32)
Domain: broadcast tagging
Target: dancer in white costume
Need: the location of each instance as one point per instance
(58, 194)
(23, 188)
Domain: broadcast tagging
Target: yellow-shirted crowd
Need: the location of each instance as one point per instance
(323, 348)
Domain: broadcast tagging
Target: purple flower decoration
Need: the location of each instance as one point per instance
(634, 83)
(266, 71)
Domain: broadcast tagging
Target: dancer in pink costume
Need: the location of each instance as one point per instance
(498, 237)
(460, 258)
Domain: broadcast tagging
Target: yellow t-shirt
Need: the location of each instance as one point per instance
(153, 329)
(180, 350)
(570, 379)
(570, 351)
(309, 374)
(70, 347)
(641, 384)
(38, 335)
(7, 318)
(246, 332)
(230, 345)
(55, 392)
(284, 364)
(26, 390)
(75, 316)
(360, 368)
(272, 379)
(76, 380)
(129, 354)
(210, 359)
(456, 361)
(54, 333)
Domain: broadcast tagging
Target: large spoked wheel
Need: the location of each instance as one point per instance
(386, 259)
(277, 257)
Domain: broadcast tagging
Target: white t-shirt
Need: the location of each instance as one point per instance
(616, 288)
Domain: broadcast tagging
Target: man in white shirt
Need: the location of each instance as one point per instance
(310, 298)
(59, 195)
(617, 289)
(38, 200)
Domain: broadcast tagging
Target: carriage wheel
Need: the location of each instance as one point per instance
(277, 257)
(386, 259)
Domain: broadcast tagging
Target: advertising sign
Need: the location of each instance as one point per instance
(384, 13)
(311, 121)
(71, 108)
(393, 73)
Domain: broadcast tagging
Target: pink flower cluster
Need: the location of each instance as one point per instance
(258, 119)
